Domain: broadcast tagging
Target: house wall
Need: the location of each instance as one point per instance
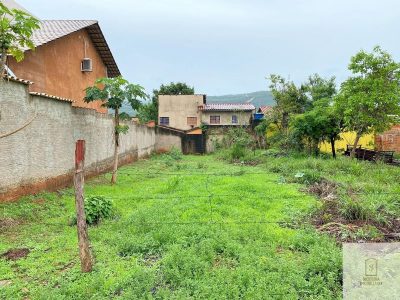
(40, 156)
(389, 140)
(178, 108)
(226, 117)
(348, 138)
(166, 140)
(55, 68)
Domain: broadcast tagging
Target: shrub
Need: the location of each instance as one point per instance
(308, 177)
(175, 153)
(96, 209)
(273, 152)
(237, 151)
(354, 210)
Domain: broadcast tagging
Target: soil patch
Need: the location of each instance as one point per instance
(6, 223)
(15, 254)
(328, 219)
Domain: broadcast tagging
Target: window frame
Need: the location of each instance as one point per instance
(164, 123)
(215, 117)
(191, 123)
(236, 119)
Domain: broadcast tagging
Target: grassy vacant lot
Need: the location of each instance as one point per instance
(182, 232)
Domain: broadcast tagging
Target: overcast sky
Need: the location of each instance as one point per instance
(230, 46)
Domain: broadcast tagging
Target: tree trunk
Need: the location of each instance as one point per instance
(116, 147)
(83, 239)
(333, 147)
(353, 151)
(3, 63)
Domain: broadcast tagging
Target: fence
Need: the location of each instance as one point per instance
(37, 141)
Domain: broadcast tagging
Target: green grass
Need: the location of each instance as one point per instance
(182, 232)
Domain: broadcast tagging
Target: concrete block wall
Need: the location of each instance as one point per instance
(40, 155)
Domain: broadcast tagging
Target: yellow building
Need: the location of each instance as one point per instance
(347, 138)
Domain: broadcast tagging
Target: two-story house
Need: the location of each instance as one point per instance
(186, 116)
(69, 56)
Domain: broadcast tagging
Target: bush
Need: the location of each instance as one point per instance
(237, 151)
(355, 210)
(308, 177)
(175, 153)
(96, 209)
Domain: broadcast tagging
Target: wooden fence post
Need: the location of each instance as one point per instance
(84, 247)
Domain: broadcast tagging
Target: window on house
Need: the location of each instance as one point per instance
(192, 121)
(234, 119)
(215, 119)
(164, 121)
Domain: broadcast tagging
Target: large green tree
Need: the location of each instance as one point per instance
(289, 100)
(114, 92)
(369, 100)
(16, 29)
(149, 111)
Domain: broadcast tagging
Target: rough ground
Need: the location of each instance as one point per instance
(193, 227)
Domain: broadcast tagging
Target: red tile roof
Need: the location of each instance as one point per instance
(228, 107)
(265, 109)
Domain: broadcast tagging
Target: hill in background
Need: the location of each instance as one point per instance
(256, 98)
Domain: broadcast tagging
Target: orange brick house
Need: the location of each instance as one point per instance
(69, 56)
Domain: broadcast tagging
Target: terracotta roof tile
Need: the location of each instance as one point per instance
(266, 109)
(16, 79)
(51, 97)
(228, 107)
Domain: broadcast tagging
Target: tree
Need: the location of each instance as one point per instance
(318, 88)
(321, 123)
(149, 111)
(113, 92)
(261, 131)
(370, 99)
(289, 100)
(16, 29)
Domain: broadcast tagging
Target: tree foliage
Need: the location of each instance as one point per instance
(288, 98)
(16, 29)
(369, 100)
(149, 111)
(114, 92)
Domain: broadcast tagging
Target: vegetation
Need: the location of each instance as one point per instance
(181, 234)
(114, 92)
(370, 99)
(312, 113)
(149, 111)
(16, 28)
(97, 208)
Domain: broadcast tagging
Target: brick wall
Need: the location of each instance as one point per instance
(41, 155)
(389, 140)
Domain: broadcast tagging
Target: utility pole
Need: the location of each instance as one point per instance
(83, 239)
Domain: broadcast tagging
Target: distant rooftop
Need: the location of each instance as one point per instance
(228, 107)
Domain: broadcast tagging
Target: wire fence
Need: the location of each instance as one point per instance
(211, 197)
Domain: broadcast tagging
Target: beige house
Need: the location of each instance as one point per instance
(180, 111)
(182, 116)
(186, 112)
(227, 114)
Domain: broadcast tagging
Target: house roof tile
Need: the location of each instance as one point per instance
(51, 97)
(265, 109)
(228, 107)
(51, 30)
